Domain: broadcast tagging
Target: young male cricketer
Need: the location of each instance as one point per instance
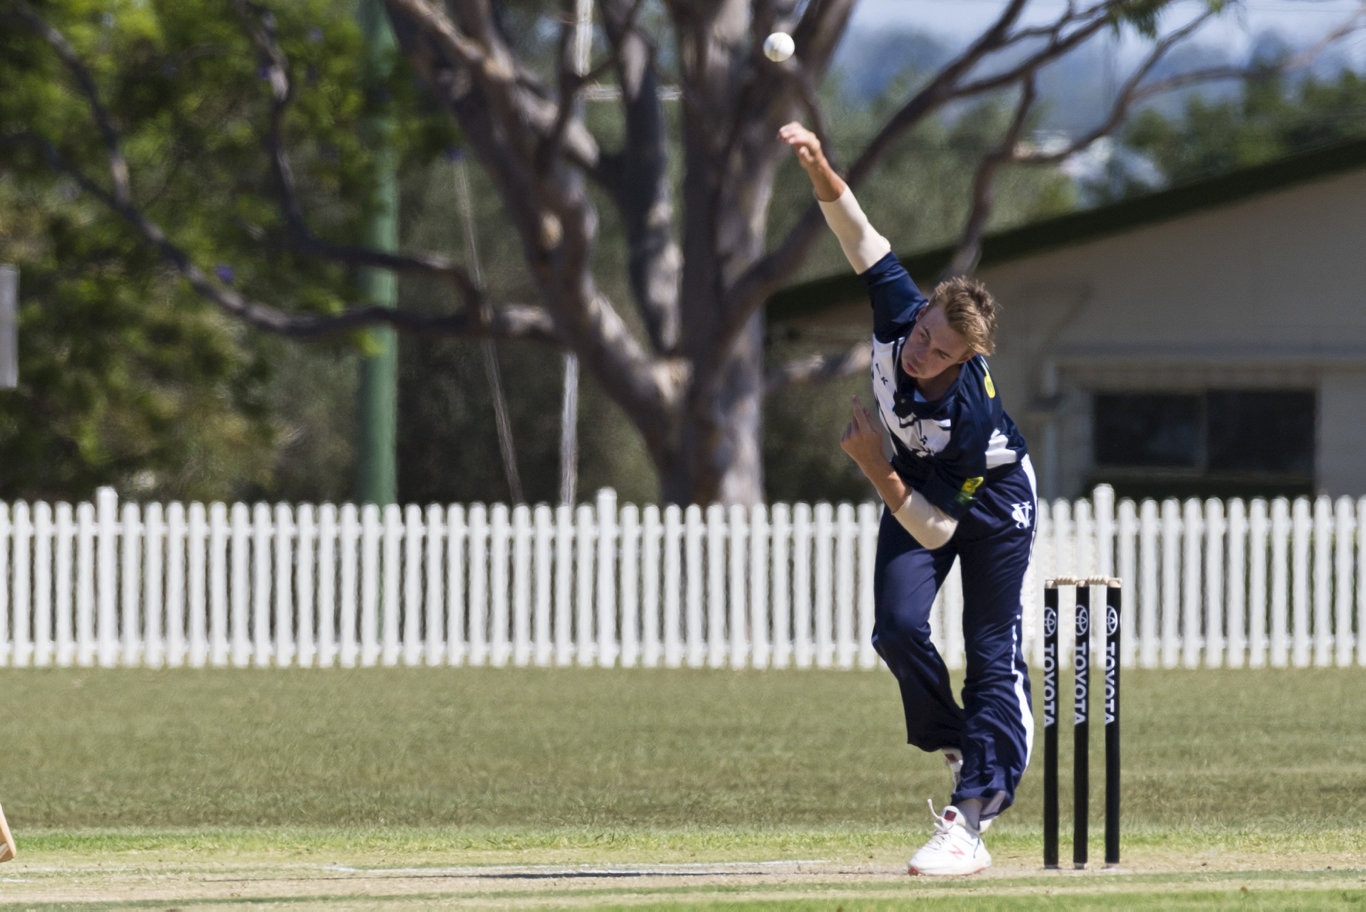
(959, 485)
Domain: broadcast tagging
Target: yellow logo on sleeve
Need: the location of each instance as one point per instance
(991, 386)
(970, 486)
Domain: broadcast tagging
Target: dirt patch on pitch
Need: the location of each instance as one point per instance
(334, 886)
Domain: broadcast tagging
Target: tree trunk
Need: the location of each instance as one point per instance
(739, 406)
(719, 453)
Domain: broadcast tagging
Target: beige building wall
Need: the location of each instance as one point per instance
(1341, 468)
(1265, 293)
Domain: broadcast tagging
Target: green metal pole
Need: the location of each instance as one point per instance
(9, 326)
(377, 401)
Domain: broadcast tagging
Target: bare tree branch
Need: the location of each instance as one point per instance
(819, 367)
(572, 81)
(118, 165)
(1136, 90)
(120, 200)
(506, 116)
(969, 249)
(637, 177)
(946, 87)
(1070, 29)
(259, 23)
(511, 322)
(816, 34)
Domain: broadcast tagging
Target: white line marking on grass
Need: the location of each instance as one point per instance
(642, 870)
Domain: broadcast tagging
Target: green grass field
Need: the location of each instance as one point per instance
(513, 788)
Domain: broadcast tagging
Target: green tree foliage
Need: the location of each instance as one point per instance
(627, 216)
(128, 377)
(1272, 118)
(123, 379)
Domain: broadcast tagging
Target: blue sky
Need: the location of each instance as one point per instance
(963, 19)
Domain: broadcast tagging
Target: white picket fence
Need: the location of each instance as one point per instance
(1206, 583)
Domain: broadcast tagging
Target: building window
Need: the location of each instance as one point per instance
(1215, 443)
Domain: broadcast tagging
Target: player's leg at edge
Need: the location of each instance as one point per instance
(7, 847)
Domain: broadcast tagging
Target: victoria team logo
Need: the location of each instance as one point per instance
(1023, 514)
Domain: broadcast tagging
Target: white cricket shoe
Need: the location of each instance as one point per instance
(955, 848)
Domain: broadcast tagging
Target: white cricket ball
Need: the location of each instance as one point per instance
(779, 46)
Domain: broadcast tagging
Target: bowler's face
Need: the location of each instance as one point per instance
(933, 347)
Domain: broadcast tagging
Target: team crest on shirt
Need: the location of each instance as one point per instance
(1023, 514)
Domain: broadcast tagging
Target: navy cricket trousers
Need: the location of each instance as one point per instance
(994, 727)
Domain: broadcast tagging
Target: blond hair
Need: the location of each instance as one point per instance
(969, 310)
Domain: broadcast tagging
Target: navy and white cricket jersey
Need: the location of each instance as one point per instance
(946, 448)
(964, 455)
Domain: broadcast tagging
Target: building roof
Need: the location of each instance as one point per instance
(808, 299)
